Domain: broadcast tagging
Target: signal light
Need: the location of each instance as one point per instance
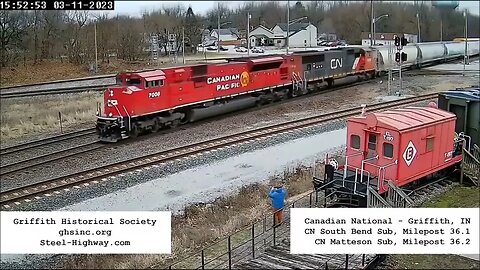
(397, 41)
(404, 41)
(397, 57)
(404, 57)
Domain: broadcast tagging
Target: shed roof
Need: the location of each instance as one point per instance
(294, 27)
(407, 118)
(472, 94)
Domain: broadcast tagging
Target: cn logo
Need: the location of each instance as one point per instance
(336, 63)
(409, 153)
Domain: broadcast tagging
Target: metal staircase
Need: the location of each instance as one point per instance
(298, 84)
(397, 197)
(470, 165)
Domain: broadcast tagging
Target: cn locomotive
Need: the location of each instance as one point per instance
(152, 100)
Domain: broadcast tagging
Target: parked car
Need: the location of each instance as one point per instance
(240, 49)
(257, 50)
(323, 43)
(215, 48)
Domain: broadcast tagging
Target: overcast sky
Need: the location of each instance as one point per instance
(136, 7)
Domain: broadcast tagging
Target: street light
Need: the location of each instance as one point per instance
(218, 39)
(249, 16)
(465, 56)
(374, 22)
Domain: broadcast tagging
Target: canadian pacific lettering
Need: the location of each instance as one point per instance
(226, 78)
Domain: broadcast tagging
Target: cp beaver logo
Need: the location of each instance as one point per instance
(244, 78)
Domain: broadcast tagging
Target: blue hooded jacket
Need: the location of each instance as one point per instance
(278, 197)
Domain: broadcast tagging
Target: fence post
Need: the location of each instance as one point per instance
(229, 253)
(346, 262)
(253, 241)
(326, 265)
(60, 119)
(363, 259)
(274, 231)
(310, 200)
(203, 260)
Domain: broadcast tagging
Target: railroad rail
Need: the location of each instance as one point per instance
(20, 194)
(46, 141)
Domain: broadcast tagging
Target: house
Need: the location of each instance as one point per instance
(229, 36)
(386, 38)
(300, 35)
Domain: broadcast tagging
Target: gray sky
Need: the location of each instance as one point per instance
(136, 7)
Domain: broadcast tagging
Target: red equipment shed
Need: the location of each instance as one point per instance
(401, 145)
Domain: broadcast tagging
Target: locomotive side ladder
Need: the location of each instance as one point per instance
(470, 165)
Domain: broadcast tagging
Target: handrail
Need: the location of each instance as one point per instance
(371, 191)
(400, 192)
(471, 155)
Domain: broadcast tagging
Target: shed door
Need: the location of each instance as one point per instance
(459, 111)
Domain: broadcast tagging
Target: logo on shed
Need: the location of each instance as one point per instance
(409, 153)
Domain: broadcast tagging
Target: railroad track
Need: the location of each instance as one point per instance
(16, 196)
(34, 153)
(46, 141)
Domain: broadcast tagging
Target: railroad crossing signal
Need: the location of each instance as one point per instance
(397, 41)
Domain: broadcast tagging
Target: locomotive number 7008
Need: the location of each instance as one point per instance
(154, 94)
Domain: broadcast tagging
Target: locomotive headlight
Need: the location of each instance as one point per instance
(110, 114)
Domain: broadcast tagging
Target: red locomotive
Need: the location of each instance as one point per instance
(400, 146)
(149, 101)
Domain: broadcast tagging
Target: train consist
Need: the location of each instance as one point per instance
(406, 146)
(149, 101)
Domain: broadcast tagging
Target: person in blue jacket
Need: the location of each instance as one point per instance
(277, 194)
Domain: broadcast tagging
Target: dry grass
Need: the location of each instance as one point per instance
(202, 225)
(27, 116)
(49, 70)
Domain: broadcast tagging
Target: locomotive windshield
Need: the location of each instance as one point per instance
(133, 81)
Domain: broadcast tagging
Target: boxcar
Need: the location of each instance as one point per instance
(465, 104)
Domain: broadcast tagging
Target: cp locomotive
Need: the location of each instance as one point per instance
(152, 100)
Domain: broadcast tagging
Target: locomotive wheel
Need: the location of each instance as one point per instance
(330, 83)
(134, 132)
(174, 123)
(155, 126)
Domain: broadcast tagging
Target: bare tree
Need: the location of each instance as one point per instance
(13, 27)
(76, 20)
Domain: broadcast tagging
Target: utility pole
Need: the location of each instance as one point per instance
(183, 44)
(248, 33)
(372, 22)
(390, 52)
(465, 54)
(96, 55)
(218, 39)
(418, 24)
(288, 25)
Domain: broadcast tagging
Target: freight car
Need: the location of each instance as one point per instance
(395, 148)
(465, 104)
(429, 53)
(149, 101)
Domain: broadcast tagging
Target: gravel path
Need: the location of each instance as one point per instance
(294, 109)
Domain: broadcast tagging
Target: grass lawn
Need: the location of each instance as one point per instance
(458, 197)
